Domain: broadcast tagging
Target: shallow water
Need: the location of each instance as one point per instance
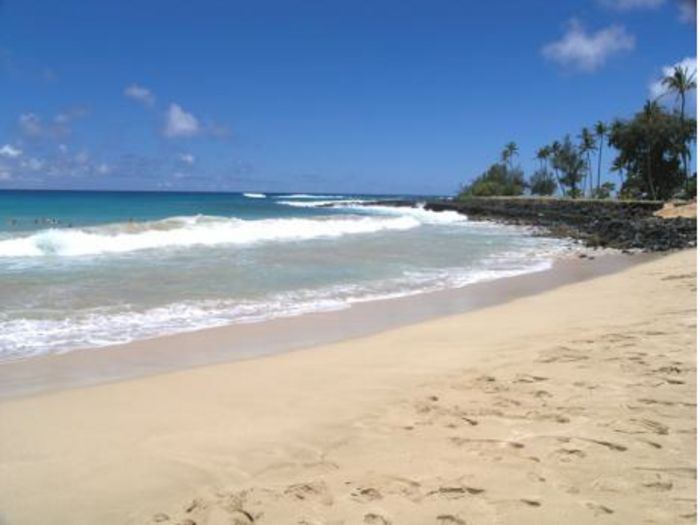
(86, 269)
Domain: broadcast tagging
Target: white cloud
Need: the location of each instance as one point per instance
(5, 174)
(30, 124)
(587, 52)
(187, 158)
(103, 168)
(629, 5)
(180, 123)
(141, 94)
(9, 151)
(658, 90)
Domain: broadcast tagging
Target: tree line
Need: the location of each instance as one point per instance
(652, 156)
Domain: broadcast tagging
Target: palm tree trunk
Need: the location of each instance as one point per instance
(561, 186)
(622, 182)
(649, 179)
(600, 160)
(684, 155)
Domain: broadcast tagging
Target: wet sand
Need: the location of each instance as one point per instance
(577, 404)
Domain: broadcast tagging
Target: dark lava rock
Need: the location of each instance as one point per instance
(623, 225)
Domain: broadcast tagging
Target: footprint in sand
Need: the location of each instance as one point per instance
(449, 519)
(486, 443)
(315, 490)
(376, 519)
(527, 378)
(659, 485)
(455, 492)
(390, 485)
(652, 426)
(366, 494)
(566, 455)
(598, 509)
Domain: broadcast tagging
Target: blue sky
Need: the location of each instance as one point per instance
(379, 96)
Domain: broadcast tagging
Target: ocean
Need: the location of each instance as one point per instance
(92, 269)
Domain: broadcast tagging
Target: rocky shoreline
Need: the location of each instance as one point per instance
(623, 225)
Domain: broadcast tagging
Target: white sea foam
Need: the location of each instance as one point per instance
(358, 205)
(255, 195)
(183, 232)
(419, 213)
(308, 196)
(321, 203)
(22, 338)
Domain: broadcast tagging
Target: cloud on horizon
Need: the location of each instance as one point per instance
(588, 52)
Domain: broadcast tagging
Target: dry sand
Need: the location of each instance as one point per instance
(577, 405)
(671, 210)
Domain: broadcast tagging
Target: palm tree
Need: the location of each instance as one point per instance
(587, 145)
(543, 156)
(681, 81)
(651, 112)
(510, 150)
(554, 152)
(601, 131)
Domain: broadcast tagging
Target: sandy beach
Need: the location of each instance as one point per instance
(577, 404)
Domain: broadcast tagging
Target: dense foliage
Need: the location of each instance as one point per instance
(543, 183)
(650, 151)
(499, 179)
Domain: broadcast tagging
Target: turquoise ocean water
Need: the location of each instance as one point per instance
(90, 269)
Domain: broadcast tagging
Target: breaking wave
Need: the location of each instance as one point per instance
(189, 231)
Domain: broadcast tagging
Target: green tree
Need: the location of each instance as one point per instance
(571, 166)
(542, 182)
(604, 191)
(554, 150)
(543, 155)
(587, 145)
(497, 180)
(681, 81)
(508, 154)
(649, 152)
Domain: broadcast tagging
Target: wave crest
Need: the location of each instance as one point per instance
(183, 232)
